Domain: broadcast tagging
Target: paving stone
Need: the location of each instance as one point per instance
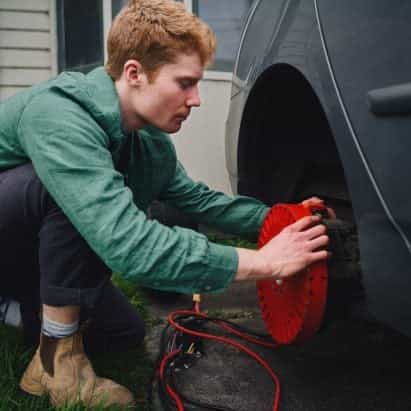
(351, 364)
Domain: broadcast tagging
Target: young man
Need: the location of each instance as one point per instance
(82, 159)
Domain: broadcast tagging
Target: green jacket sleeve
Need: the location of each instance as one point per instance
(236, 215)
(70, 154)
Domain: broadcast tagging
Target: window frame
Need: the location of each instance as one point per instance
(57, 30)
(215, 75)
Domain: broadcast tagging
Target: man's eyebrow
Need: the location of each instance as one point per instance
(193, 79)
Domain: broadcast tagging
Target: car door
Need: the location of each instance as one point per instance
(368, 46)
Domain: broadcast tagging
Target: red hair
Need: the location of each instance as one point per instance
(155, 32)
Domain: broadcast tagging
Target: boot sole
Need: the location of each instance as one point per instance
(31, 387)
(24, 394)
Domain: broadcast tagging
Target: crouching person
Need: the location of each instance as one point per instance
(81, 159)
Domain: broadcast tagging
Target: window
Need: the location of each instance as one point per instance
(80, 34)
(81, 38)
(226, 17)
(116, 6)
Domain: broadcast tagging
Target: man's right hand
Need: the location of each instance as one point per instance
(295, 248)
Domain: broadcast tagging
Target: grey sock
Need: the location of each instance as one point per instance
(58, 330)
(10, 312)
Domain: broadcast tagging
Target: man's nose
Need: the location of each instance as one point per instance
(194, 98)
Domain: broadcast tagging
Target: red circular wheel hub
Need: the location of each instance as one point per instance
(292, 308)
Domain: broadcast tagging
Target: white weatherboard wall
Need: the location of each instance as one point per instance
(28, 56)
(27, 44)
(200, 143)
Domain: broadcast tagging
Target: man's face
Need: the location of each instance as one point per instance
(167, 101)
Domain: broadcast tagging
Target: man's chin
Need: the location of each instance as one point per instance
(172, 129)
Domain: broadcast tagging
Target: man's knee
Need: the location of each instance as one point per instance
(132, 335)
(137, 331)
(98, 341)
(115, 324)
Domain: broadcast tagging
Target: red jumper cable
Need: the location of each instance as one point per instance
(300, 301)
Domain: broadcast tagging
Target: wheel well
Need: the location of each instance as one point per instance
(286, 147)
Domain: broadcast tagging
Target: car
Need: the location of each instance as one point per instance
(321, 105)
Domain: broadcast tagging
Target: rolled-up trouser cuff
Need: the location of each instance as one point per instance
(63, 296)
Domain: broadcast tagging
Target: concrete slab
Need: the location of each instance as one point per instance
(351, 364)
(238, 298)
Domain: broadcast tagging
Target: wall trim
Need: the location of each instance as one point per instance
(107, 19)
(53, 37)
(189, 5)
(218, 75)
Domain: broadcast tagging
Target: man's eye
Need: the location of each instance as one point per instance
(185, 84)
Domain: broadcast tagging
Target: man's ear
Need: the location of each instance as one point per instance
(134, 73)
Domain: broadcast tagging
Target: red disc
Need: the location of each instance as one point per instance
(292, 308)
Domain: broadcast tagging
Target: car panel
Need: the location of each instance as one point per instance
(297, 42)
(251, 57)
(365, 57)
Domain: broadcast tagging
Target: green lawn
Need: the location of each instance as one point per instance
(132, 369)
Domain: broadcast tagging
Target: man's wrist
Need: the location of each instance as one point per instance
(251, 265)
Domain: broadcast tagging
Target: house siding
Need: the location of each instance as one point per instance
(26, 44)
(200, 144)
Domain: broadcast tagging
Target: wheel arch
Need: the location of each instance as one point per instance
(286, 147)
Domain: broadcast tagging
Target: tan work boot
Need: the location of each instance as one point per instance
(61, 369)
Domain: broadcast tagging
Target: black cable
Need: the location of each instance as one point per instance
(166, 401)
(183, 340)
(243, 329)
(155, 377)
(170, 375)
(230, 323)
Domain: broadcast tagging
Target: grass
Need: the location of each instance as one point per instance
(132, 369)
(232, 241)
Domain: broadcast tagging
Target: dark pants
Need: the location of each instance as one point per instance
(44, 260)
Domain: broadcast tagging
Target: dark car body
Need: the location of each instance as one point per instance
(321, 105)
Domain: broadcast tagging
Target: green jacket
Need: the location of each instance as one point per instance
(104, 180)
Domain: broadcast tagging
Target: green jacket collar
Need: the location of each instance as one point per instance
(97, 94)
(107, 102)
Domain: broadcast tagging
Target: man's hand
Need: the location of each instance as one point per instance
(315, 201)
(296, 247)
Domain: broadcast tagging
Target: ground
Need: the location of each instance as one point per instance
(351, 364)
(132, 369)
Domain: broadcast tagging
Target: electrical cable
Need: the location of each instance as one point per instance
(227, 341)
(282, 299)
(170, 391)
(180, 344)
